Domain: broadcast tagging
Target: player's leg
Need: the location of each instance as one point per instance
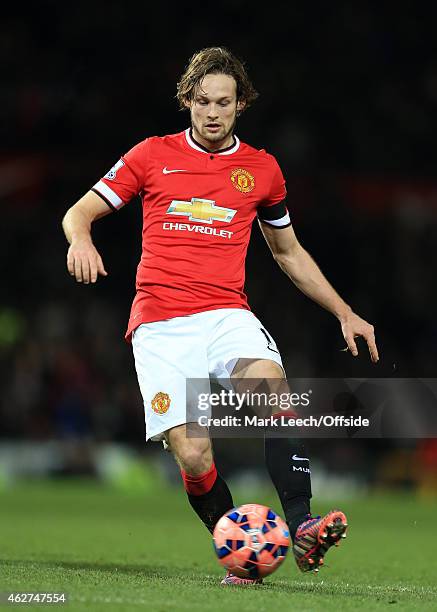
(167, 354)
(286, 459)
(207, 492)
(288, 466)
(243, 348)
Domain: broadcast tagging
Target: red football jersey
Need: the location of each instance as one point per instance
(198, 209)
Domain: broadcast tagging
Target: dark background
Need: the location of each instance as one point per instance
(348, 105)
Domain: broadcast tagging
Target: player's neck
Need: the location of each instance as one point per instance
(211, 147)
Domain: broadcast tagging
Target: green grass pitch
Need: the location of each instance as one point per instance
(111, 550)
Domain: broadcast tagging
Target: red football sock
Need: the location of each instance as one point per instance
(201, 484)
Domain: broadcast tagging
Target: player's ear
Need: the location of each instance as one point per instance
(187, 103)
(241, 105)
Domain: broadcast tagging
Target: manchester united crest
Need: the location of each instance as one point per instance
(242, 180)
(161, 403)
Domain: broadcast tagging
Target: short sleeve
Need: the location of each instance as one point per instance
(278, 191)
(272, 209)
(126, 178)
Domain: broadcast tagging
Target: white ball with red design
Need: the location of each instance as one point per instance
(251, 541)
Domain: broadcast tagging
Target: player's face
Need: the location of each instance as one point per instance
(214, 110)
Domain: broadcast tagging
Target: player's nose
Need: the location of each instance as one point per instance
(212, 111)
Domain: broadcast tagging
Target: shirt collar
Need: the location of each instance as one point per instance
(195, 145)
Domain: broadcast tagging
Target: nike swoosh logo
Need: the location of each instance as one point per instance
(165, 171)
(296, 458)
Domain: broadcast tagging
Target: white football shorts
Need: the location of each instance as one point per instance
(200, 346)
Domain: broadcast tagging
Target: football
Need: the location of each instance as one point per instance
(251, 541)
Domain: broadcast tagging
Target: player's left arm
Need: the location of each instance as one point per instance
(300, 267)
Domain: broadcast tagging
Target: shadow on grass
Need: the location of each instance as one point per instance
(119, 568)
(142, 571)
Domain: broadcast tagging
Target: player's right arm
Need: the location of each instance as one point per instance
(123, 181)
(83, 259)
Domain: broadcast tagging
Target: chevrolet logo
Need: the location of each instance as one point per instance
(201, 210)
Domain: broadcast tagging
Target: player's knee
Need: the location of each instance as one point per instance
(193, 455)
(195, 458)
(260, 369)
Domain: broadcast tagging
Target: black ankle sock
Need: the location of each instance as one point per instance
(288, 467)
(212, 505)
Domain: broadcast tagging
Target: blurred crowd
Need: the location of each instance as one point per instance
(344, 87)
(348, 105)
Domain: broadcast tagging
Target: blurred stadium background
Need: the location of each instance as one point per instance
(348, 105)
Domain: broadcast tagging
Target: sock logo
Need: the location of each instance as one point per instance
(296, 458)
(301, 469)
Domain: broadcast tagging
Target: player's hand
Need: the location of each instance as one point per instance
(353, 327)
(84, 262)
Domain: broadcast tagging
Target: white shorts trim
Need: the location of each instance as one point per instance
(200, 346)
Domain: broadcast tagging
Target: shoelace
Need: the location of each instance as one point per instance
(311, 518)
(310, 521)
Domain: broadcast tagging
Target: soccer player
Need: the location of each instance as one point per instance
(201, 190)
